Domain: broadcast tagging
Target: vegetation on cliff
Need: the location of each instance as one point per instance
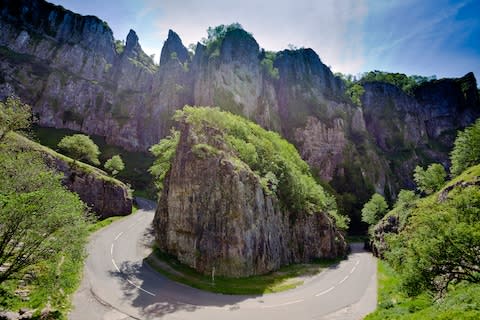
(274, 160)
(432, 257)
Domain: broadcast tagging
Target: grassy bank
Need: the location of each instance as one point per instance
(462, 302)
(136, 163)
(288, 277)
(52, 282)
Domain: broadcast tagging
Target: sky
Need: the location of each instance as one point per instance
(423, 37)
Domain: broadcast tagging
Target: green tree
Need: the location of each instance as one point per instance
(374, 210)
(164, 152)
(355, 93)
(114, 165)
(39, 218)
(466, 150)
(14, 115)
(431, 179)
(80, 147)
(441, 244)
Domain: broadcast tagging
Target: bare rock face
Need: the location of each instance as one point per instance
(322, 146)
(214, 214)
(105, 196)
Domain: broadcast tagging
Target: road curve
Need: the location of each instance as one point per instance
(117, 284)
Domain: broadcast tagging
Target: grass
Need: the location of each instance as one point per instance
(462, 301)
(21, 142)
(287, 277)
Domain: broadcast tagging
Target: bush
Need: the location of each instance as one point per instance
(431, 179)
(374, 210)
(466, 150)
(80, 147)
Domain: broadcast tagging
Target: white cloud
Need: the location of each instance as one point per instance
(331, 27)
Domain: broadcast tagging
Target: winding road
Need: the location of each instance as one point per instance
(117, 284)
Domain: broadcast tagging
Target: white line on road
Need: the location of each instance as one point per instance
(115, 265)
(358, 261)
(140, 288)
(343, 280)
(283, 304)
(353, 269)
(118, 236)
(111, 250)
(325, 292)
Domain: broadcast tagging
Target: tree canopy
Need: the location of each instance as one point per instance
(466, 150)
(14, 115)
(374, 210)
(431, 179)
(114, 165)
(80, 147)
(38, 216)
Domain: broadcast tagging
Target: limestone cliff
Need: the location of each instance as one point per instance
(214, 212)
(76, 75)
(418, 128)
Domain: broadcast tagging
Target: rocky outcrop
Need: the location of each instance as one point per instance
(77, 76)
(215, 214)
(419, 128)
(105, 195)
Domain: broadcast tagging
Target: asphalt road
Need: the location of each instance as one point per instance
(117, 284)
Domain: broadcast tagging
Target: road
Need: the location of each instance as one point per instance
(117, 284)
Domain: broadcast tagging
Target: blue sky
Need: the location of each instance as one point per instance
(424, 37)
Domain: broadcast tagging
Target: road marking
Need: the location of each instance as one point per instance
(283, 304)
(140, 288)
(325, 292)
(115, 265)
(343, 280)
(353, 269)
(118, 269)
(356, 264)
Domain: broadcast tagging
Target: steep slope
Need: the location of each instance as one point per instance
(75, 75)
(220, 209)
(106, 196)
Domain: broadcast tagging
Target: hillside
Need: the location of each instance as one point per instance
(77, 76)
(105, 195)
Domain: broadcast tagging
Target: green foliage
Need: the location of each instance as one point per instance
(164, 152)
(355, 93)
(431, 179)
(119, 46)
(440, 246)
(216, 36)
(406, 201)
(275, 161)
(14, 115)
(404, 82)
(287, 277)
(466, 150)
(462, 302)
(80, 147)
(374, 210)
(38, 216)
(114, 165)
(267, 65)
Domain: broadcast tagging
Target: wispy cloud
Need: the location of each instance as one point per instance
(330, 27)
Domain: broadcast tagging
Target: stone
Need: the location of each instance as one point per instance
(213, 215)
